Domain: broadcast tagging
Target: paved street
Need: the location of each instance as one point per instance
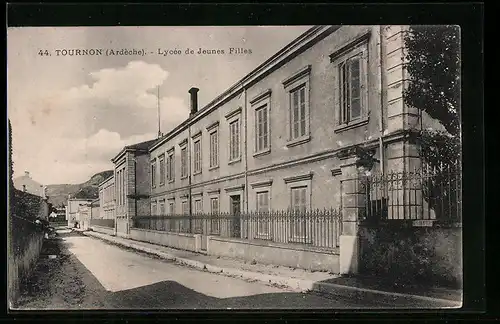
(91, 274)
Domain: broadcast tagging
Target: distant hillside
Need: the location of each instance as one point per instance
(58, 193)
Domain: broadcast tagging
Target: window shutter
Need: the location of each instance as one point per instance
(303, 202)
(264, 125)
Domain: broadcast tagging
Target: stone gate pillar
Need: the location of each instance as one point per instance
(353, 210)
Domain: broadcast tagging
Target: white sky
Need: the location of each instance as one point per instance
(70, 115)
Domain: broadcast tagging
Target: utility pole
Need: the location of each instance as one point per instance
(159, 116)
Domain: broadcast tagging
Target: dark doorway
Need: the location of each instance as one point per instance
(235, 212)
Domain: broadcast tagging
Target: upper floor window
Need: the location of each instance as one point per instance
(214, 149)
(298, 119)
(350, 89)
(171, 167)
(153, 173)
(162, 169)
(234, 140)
(261, 129)
(351, 63)
(298, 112)
(197, 155)
(184, 165)
(171, 208)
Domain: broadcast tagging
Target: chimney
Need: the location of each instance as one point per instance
(194, 100)
(26, 173)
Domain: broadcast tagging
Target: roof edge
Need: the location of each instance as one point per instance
(285, 52)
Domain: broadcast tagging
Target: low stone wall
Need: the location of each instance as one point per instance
(179, 241)
(406, 254)
(104, 230)
(274, 253)
(19, 266)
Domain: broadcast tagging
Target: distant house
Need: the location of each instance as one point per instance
(26, 184)
(73, 211)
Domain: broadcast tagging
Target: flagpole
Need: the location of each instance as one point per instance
(158, 104)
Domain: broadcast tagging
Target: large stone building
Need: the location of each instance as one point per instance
(107, 198)
(284, 135)
(296, 133)
(132, 186)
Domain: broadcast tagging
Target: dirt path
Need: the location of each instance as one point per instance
(60, 282)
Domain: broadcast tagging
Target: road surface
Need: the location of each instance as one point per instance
(88, 273)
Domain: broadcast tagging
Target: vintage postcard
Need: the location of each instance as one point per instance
(248, 167)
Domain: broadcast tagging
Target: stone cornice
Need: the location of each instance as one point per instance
(234, 113)
(262, 184)
(212, 126)
(196, 135)
(349, 46)
(301, 177)
(261, 96)
(297, 75)
(235, 188)
(183, 142)
(213, 192)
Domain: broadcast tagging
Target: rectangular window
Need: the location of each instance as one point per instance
(185, 209)
(214, 149)
(184, 162)
(197, 156)
(198, 206)
(171, 167)
(162, 169)
(299, 209)
(124, 184)
(350, 89)
(214, 209)
(261, 129)
(298, 112)
(117, 188)
(183, 224)
(234, 140)
(153, 173)
(153, 209)
(171, 208)
(263, 213)
(162, 208)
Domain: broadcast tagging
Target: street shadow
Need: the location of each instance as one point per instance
(78, 289)
(368, 285)
(172, 295)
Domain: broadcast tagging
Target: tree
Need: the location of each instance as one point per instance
(433, 66)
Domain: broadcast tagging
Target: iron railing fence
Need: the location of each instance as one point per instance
(424, 194)
(319, 228)
(102, 222)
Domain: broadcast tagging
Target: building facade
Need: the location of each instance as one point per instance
(298, 133)
(95, 209)
(131, 185)
(107, 198)
(284, 135)
(76, 211)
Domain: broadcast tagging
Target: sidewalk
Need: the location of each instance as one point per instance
(293, 279)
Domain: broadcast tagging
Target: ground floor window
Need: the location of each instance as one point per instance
(263, 220)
